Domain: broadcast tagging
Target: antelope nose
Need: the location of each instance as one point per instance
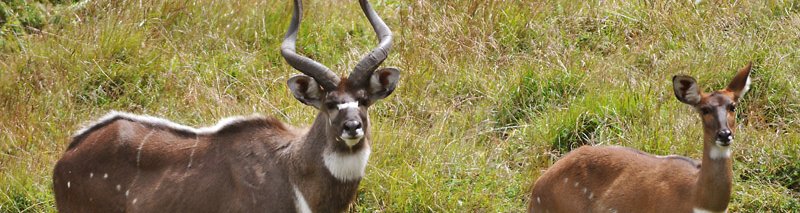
(724, 136)
(352, 126)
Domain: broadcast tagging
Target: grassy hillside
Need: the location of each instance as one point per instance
(492, 92)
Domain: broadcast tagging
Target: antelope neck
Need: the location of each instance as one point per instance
(320, 148)
(713, 187)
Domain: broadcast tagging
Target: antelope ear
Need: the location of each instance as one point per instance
(741, 82)
(306, 90)
(686, 89)
(382, 83)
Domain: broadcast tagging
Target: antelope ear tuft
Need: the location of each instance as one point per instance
(383, 82)
(741, 82)
(686, 89)
(306, 90)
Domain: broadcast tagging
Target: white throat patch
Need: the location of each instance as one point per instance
(346, 167)
(351, 104)
(720, 152)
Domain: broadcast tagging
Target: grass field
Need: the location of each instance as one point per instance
(491, 94)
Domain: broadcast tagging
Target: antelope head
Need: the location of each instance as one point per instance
(717, 109)
(343, 101)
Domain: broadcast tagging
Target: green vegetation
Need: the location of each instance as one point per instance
(492, 92)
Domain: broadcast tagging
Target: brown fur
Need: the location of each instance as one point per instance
(247, 166)
(619, 179)
(607, 174)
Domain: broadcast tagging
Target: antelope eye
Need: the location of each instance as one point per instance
(731, 108)
(362, 101)
(331, 106)
(705, 110)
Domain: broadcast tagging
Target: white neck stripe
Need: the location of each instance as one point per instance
(351, 104)
(300, 202)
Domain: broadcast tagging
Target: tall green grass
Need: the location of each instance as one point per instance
(491, 94)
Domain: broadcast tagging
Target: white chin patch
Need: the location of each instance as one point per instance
(352, 140)
(720, 152)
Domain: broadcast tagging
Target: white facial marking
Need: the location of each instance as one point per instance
(68, 185)
(700, 210)
(351, 104)
(105, 176)
(91, 174)
(300, 201)
(538, 200)
(345, 166)
(352, 140)
(119, 187)
(719, 152)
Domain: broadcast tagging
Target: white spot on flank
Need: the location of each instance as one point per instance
(538, 200)
(584, 190)
(345, 166)
(68, 185)
(591, 195)
(91, 174)
(576, 184)
(351, 104)
(565, 180)
(700, 210)
(134, 201)
(119, 187)
(105, 176)
(719, 152)
(127, 192)
(300, 201)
